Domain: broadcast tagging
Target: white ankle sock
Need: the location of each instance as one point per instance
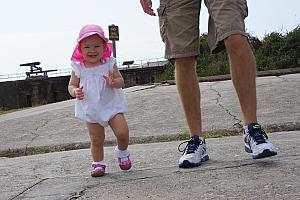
(102, 162)
(121, 153)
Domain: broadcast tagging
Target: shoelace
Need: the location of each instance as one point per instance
(191, 146)
(258, 136)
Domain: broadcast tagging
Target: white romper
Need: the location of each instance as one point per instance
(101, 102)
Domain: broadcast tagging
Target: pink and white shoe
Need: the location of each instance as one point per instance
(97, 170)
(123, 158)
(124, 163)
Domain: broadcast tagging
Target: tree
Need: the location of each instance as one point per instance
(274, 51)
(279, 51)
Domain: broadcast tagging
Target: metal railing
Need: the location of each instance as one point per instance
(22, 76)
(151, 62)
(10, 77)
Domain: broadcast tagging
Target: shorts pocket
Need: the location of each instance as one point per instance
(162, 21)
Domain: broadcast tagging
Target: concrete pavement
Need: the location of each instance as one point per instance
(229, 174)
(155, 116)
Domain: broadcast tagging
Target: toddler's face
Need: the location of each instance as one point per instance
(92, 49)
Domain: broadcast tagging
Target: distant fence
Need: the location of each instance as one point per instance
(152, 62)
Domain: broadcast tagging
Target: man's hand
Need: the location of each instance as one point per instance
(147, 7)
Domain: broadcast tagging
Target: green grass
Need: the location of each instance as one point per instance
(2, 112)
(31, 151)
(35, 151)
(186, 135)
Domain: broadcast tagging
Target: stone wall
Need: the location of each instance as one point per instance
(141, 76)
(44, 90)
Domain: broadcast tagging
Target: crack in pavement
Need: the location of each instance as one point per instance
(149, 173)
(167, 171)
(77, 195)
(35, 136)
(238, 124)
(30, 187)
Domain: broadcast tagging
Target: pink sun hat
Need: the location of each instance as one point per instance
(85, 32)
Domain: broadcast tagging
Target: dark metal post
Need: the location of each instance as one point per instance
(114, 48)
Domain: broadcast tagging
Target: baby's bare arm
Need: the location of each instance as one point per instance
(115, 79)
(118, 79)
(74, 89)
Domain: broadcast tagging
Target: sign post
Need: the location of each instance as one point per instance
(113, 36)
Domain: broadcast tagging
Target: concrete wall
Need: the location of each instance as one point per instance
(32, 92)
(141, 76)
(44, 90)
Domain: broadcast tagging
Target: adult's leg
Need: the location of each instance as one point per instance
(189, 92)
(226, 23)
(97, 136)
(179, 25)
(243, 74)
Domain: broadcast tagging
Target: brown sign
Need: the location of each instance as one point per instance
(113, 33)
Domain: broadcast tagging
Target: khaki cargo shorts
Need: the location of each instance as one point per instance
(179, 24)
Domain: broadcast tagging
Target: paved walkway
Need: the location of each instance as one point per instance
(229, 174)
(155, 116)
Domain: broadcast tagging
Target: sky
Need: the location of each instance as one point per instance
(46, 31)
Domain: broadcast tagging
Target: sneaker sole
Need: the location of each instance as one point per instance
(188, 164)
(266, 153)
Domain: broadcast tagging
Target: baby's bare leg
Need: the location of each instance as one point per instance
(96, 132)
(120, 128)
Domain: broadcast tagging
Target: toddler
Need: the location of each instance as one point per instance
(96, 83)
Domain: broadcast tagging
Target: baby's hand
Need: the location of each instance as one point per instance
(110, 79)
(79, 94)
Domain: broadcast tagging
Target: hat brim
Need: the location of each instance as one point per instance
(77, 55)
(92, 33)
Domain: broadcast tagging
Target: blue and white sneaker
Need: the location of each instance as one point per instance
(194, 153)
(256, 142)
